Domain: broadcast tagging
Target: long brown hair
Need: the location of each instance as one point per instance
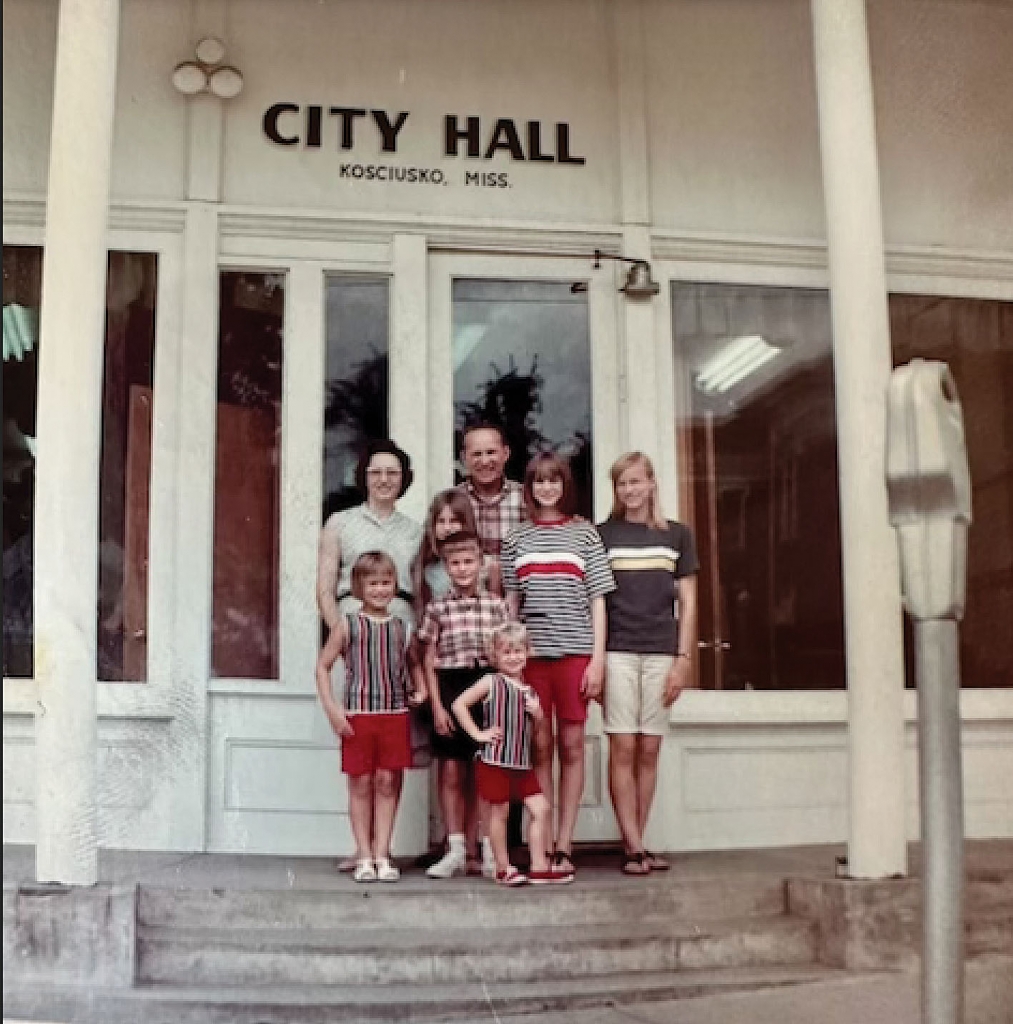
(655, 517)
(460, 504)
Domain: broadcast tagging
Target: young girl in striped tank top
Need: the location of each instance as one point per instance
(372, 720)
(503, 770)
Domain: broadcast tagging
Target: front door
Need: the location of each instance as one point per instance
(514, 342)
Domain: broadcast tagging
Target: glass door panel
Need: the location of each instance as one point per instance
(760, 432)
(356, 381)
(522, 360)
(247, 477)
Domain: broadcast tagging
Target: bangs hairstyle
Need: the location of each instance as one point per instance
(549, 466)
(460, 505)
(461, 539)
(506, 633)
(655, 517)
(383, 447)
(368, 564)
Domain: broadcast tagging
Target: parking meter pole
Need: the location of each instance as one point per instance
(942, 809)
(929, 486)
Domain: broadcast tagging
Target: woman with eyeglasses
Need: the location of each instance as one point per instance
(383, 474)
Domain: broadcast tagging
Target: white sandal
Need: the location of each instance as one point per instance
(386, 871)
(364, 871)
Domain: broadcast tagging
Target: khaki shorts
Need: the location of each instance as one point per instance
(634, 692)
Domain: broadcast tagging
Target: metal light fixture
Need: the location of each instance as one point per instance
(207, 73)
(639, 283)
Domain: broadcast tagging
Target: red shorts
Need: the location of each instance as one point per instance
(380, 741)
(557, 683)
(499, 785)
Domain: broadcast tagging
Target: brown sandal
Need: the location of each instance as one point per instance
(636, 864)
(656, 863)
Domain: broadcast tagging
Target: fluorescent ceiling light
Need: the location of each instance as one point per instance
(733, 363)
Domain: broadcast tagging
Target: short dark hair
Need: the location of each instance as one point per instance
(549, 465)
(460, 539)
(470, 428)
(384, 446)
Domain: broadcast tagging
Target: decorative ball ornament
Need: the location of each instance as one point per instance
(207, 73)
(190, 78)
(225, 82)
(210, 50)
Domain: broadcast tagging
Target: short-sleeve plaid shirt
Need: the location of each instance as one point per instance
(459, 627)
(495, 517)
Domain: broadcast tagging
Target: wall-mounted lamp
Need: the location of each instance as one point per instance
(639, 283)
(207, 73)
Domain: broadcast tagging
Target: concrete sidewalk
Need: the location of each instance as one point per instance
(862, 999)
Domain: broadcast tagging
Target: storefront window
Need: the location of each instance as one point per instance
(125, 460)
(522, 359)
(126, 467)
(247, 477)
(355, 388)
(21, 300)
(975, 338)
(759, 447)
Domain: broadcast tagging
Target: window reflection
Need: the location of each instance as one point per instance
(356, 385)
(125, 472)
(760, 444)
(522, 359)
(22, 286)
(247, 477)
(975, 338)
(126, 467)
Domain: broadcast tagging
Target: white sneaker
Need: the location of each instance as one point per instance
(453, 862)
(488, 860)
(386, 871)
(364, 871)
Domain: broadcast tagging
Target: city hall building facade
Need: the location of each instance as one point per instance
(275, 228)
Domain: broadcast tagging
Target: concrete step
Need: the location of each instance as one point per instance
(475, 1002)
(446, 904)
(989, 931)
(426, 956)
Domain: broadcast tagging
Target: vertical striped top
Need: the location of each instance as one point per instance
(376, 664)
(504, 707)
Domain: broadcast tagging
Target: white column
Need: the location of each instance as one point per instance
(640, 372)
(69, 424)
(193, 542)
(302, 479)
(409, 427)
(409, 365)
(872, 608)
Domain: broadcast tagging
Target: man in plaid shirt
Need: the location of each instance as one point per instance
(454, 630)
(498, 502)
(499, 507)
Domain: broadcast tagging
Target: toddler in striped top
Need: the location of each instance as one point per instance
(372, 719)
(503, 769)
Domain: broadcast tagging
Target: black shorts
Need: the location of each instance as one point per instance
(458, 746)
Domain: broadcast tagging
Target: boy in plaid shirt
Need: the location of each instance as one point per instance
(455, 630)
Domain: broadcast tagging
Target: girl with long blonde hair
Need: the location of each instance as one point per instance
(651, 641)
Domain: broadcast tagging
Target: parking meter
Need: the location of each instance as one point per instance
(929, 491)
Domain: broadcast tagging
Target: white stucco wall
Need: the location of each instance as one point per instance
(731, 111)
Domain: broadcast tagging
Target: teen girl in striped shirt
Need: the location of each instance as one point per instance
(556, 576)
(372, 720)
